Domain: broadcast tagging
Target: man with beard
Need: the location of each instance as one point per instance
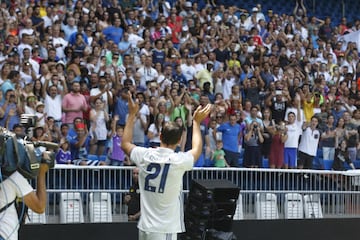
(103, 92)
(74, 104)
(53, 100)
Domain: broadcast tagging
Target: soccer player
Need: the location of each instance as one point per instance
(161, 175)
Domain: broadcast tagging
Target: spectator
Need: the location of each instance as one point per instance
(342, 156)
(293, 127)
(121, 107)
(269, 130)
(253, 140)
(74, 104)
(308, 144)
(63, 156)
(132, 199)
(117, 155)
(40, 114)
(328, 139)
(30, 105)
(147, 72)
(114, 32)
(204, 76)
(279, 137)
(218, 156)
(231, 133)
(155, 130)
(98, 119)
(187, 69)
(53, 100)
(54, 130)
(79, 146)
(10, 110)
(102, 91)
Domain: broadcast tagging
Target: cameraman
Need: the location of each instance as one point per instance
(17, 186)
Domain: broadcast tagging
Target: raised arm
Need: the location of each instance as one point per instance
(36, 201)
(197, 145)
(126, 142)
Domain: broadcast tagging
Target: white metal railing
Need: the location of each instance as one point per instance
(337, 191)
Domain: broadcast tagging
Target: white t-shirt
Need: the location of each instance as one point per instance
(293, 132)
(309, 141)
(147, 74)
(53, 106)
(104, 96)
(152, 128)
(294, 110)
(160, 183)
(188, 71)
(14, 186)
(227, 85)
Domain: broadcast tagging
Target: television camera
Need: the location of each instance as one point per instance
(18, 152)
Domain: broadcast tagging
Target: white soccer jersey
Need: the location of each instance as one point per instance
(160, 182)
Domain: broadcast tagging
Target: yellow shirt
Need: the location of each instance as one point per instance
(42, 12)
(234, 63)
(308, 108)
(204, 76)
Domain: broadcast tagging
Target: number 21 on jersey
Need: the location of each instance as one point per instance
(161, 172)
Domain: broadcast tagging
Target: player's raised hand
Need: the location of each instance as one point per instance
(201, 113)
(133, 106)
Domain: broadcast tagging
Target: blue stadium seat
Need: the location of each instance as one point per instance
(265, 163)
(357, 164)
(92, 157)
(328, 164)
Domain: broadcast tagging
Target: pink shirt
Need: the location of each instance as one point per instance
(73, 101)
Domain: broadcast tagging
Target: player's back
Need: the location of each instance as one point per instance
(160, 182)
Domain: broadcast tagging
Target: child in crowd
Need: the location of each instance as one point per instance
(117, 156)
(219, 155)
(63, 156)
(40, 114)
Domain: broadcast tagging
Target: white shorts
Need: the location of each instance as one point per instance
(156, 236)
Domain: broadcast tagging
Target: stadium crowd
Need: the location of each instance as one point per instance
(282, 86)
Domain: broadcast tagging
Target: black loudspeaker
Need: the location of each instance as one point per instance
(211, 204)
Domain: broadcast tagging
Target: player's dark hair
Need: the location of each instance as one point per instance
(171, 133)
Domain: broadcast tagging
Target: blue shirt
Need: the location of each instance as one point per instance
(72, 38)
(230, 135)
(13, 119)
(337, 115)
(62, 157)
(81, 152)
(121, 109)
(68, 30)
(124, 46)
(158, 56)
(113, 33)
(6, 86)
(180, 78)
